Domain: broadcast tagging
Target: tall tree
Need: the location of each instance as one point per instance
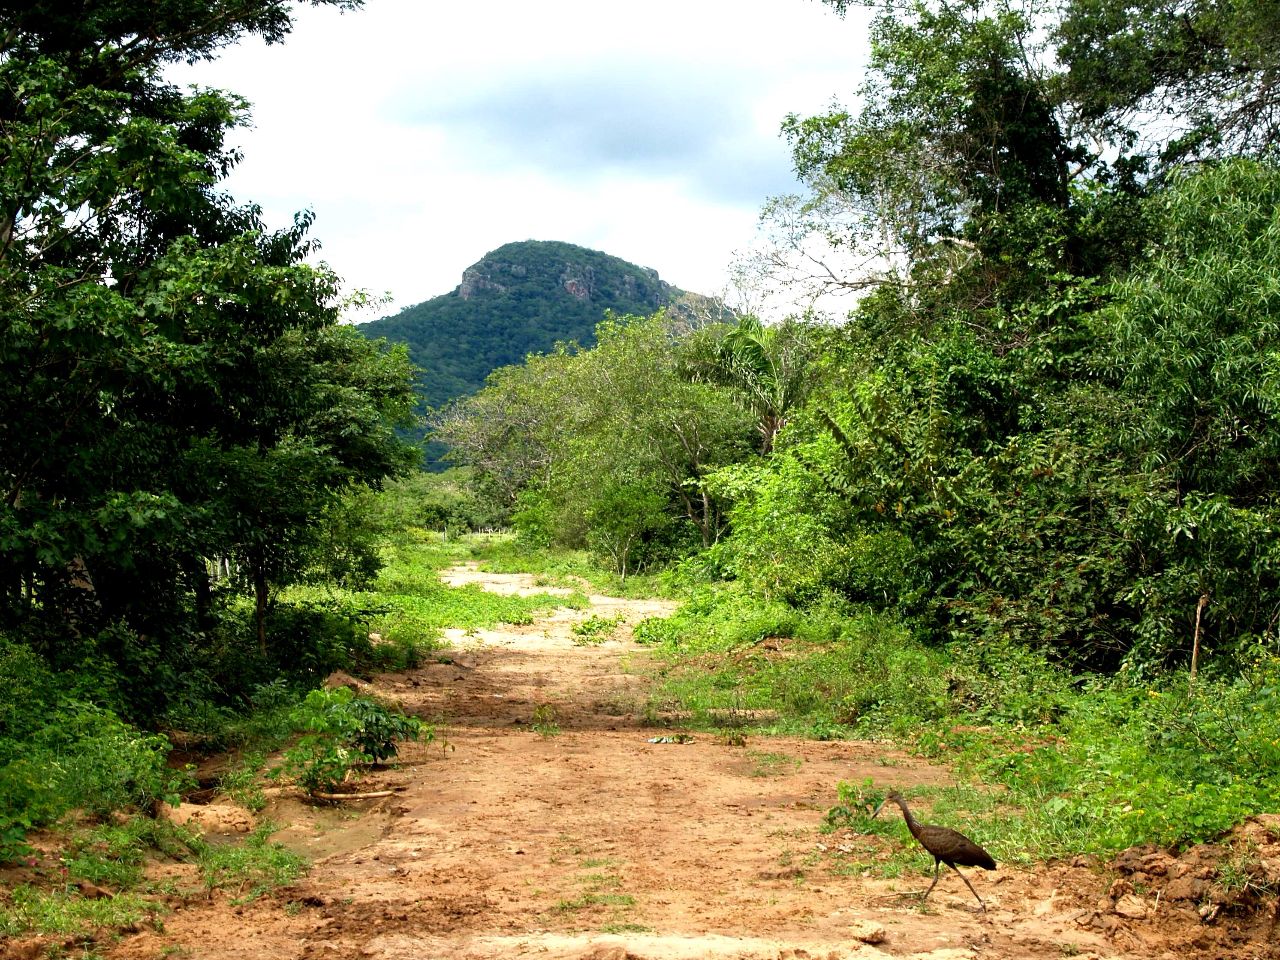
(164, 358)
(574, 428)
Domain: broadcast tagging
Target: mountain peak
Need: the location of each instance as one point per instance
(521, 298)
(581, 273)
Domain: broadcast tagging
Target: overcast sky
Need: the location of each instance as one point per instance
(425, 134)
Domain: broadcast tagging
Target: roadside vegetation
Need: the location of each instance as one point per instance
(1060, 763)
(80, 788)
(1017, 509)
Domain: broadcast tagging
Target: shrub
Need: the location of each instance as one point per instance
(343, 732)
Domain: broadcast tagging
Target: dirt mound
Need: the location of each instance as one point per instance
(1217, 899)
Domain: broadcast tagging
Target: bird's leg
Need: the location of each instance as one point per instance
(937, 866)
(970, 886)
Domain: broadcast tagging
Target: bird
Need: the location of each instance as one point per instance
(945, 845)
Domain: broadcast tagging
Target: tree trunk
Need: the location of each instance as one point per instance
(260, 607)
(198, 573)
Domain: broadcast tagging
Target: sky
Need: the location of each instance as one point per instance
(424, 135)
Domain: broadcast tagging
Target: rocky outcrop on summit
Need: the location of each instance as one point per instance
(585, 275)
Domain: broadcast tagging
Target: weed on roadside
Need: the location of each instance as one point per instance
(66, 912)
(596, 629)
(112, 855)
(344, 732)
(251, 867)
(622, 928)
(242, 782)
(544, 720)
(591, 899)
(767, 764)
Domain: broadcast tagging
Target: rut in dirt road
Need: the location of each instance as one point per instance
(552, 827)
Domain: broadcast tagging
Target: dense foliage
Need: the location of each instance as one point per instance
(178, 396)
(1049, 418)
(610, 447)
(184, 418)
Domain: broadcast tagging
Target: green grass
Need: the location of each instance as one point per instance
(622, 928)
(588, 900)
(596, 629)
(243, 782)
(825, 674)
(251, 867)
(1116, 766)
(600, 890)
(63, 912)
(563, 568)
(1051, 765)
(113, 855)
(771, 764)
(544, 720)
(408, 607)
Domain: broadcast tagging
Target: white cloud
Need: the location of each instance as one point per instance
(425, 135)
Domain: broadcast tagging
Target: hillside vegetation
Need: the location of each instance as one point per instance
(520, 299)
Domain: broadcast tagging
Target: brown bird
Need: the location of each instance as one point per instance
(946, 846)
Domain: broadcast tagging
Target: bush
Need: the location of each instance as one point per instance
(1118, 765)
(81, 757)
(343, 732)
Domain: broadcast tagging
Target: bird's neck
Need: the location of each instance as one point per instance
(906, 815)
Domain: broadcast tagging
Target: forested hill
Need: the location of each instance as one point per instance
(519, 299)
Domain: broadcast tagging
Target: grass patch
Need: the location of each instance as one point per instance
(249, 868)
(827, 673)
(113, 855)
(1123, 765)
(66, 913)
(1053, 764)
(408, 607)
(596, 629)
(620, 928)
(589, 900)
(601, 891)
(1114, 766)
(243, 781)
(768, 764)
(563, 568)
(544, 720)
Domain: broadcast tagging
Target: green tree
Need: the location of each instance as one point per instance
(622, 516)
(1192, 343)
(1174, 79)
(1050, 415)
(174, 385)
(560, 432)
(507, 430)
(771, 369)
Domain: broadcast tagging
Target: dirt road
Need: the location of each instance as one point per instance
(553, 827)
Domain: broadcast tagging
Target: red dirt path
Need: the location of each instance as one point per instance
(581, 839)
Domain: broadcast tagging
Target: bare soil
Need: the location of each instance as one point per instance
(552, 826)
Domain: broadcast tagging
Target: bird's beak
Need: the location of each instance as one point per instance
(875, 813)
